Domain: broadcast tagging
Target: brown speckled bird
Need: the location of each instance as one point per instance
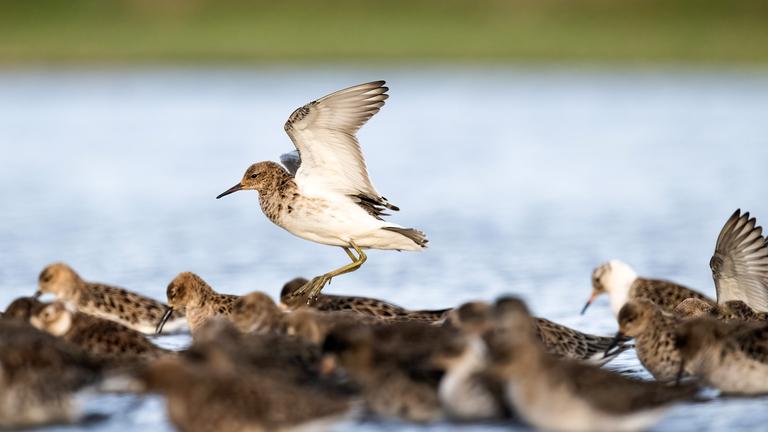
(390, 364)
(468, 391)
(558, 339)
(189, 294)
(212, 397)
(653, 331)
(39, 375)
(256, 312)
(739, 269)
(622, 284)
(105, 301)
(329, 198)
(734, 310)
(313, 325)
(364, 306)
(102, 339)
(732, 357)
(560, 394)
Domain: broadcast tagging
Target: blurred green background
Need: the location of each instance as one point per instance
(194, 31)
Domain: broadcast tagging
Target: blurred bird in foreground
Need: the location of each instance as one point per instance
(731, 356)
(564, 395)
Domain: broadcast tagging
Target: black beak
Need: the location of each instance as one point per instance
(589, 302)
(584, 309)
(168, 313)
(233, 189)
(614, 343)
(37, 295)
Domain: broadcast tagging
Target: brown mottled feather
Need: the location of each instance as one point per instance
(664, 294)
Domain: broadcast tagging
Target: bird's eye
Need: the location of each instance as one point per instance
(253, 176)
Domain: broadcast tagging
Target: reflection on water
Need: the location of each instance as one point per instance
(524, 180)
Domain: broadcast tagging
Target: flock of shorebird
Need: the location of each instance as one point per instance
(310, 359)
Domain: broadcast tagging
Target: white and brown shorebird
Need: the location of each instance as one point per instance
(325, 195)
(739, 268)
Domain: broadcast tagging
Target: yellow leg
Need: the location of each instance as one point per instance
(312, 288)
(350, 254)
(357, 261)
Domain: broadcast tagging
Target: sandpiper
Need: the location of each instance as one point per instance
(731, 358)
(189, 294)
(468, 391)
(653, 331)
(558, 339)
(622, 284)
(364, 306)
(209, 397)
(22, 308)
(39, 375)
(105, 301)
(565, 395)
(739, 268)
(392, 384)
(256, 312)
(734, 310)
(103, 339)
(330, 199)
(220, 343)
(313, 325)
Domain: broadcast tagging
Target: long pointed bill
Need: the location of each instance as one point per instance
(233, 189)
(589, 302)
(614, 343)
(161, 324)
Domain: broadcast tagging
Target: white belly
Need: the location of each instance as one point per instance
(337, 223)
(738, 373)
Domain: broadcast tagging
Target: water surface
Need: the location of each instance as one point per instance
(524, 180)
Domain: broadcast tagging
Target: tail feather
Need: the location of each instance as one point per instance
(415, 235)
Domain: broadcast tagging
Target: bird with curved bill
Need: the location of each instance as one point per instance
(325, 194)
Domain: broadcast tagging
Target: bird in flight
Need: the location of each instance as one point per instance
(325, 194)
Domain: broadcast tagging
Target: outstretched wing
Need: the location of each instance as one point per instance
(740, 263)
(323, 132)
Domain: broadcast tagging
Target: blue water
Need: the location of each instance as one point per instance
(523, 178)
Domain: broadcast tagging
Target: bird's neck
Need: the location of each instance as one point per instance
(278, 195)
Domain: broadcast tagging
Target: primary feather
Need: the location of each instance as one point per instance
(331, 161)
(740, 262)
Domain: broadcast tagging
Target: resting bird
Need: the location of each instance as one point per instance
(325, 195)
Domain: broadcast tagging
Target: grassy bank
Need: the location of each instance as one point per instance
(634, 31)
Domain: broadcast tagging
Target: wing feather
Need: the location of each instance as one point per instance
(323, 132)
(740, 263)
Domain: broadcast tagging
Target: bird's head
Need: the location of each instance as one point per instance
(54, 318)
(255, 311)
(614, 278)
(185, 289)
(474, 317)
(58, 279)
(635, 316)
(258, 177)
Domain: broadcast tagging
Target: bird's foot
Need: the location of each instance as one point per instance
(307, 293)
